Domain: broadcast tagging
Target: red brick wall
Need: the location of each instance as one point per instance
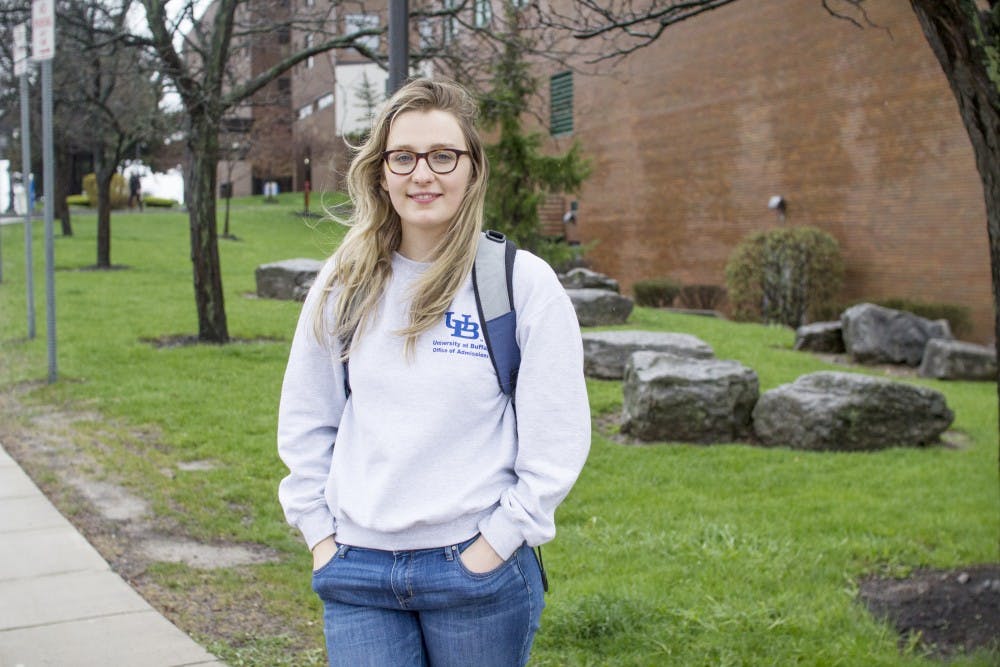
(856, 129)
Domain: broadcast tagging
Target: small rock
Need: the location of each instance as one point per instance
(963, 578)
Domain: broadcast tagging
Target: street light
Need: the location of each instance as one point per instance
(307, 185)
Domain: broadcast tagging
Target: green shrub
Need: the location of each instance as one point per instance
(159, 202)
(78, 200)
(656, 292)
(119, 190)
(701, 297)
(784, 275)
(562, 256)
(959, 317)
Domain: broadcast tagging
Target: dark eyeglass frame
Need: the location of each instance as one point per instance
(458, 153)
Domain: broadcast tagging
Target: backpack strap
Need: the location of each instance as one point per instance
(492, 282)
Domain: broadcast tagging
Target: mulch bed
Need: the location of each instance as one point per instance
(948, 611)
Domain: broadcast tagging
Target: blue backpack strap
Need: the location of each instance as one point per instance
(492, 281)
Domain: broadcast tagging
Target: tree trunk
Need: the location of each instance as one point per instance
(201, 182)
(965, 42)
(104, 217)
(64, 176)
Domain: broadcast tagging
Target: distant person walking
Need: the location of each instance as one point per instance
(135, 190)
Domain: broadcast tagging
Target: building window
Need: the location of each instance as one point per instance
(310, 61)
(520, 4)
(306, 111)
(356, 22)
(284, 35)
(561, 103)
(482, 12)
(324, 101)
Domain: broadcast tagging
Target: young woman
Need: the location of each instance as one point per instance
(420, 489)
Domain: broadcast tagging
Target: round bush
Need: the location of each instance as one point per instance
(656, 292)
(784, 275)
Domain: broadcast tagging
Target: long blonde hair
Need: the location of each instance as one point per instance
(363, 262)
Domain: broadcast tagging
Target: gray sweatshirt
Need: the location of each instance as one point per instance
(427, 451)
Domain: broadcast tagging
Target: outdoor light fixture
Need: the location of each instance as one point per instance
(777, 204)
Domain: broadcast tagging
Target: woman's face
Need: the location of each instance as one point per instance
(426, 201)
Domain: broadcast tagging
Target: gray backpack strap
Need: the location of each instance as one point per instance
(492, 281)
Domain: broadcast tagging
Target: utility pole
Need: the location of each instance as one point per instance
(399, 44)
(21, 62)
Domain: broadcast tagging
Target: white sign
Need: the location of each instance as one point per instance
(43, 29)
(21, 49)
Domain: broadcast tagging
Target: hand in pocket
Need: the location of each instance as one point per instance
(323, 552)
(480, 558)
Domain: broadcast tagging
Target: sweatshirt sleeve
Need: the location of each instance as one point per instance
(312, 402)
(553, 412)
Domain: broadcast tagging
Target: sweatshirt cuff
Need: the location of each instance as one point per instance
(317, 526)
(502, 533)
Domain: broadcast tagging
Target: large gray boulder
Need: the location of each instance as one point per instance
(668, 397)
(598, 307)
(287, 279)
(873, 334)
(581, 278)
(606, 352)
(956, 360)
(849, 411)
(820, 337)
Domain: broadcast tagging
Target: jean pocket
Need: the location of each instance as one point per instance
(479, 575)
(338, 554)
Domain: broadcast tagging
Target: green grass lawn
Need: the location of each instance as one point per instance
(666, 555)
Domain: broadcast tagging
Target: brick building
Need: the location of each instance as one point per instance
(856, 129)
(689, 139)
(256, 139)
(327, 98)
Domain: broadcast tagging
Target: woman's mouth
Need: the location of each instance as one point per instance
(424, 197)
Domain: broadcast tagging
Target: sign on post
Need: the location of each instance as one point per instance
(43, 29)
(43, 48)
(21, 49)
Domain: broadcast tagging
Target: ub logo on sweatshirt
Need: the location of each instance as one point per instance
(463, 328)
(463, 332)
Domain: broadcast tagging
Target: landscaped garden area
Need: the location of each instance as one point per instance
(667, 554)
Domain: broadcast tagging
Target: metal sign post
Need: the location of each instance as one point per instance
(43, 46)
(21, 63)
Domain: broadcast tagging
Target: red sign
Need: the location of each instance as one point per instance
(43, 29)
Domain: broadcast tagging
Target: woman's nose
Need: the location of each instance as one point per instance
(422, 172)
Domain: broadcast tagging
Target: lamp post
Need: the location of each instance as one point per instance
(307, 183)
(399, 44)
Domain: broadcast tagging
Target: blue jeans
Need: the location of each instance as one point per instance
(424, 608)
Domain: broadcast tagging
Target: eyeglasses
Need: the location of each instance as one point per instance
(440, 161)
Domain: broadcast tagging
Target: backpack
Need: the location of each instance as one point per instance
(493, 285)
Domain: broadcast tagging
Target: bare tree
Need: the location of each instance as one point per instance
(197, 62)
(105, 101)
(112, 93)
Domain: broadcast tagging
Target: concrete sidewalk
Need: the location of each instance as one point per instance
(60, 603)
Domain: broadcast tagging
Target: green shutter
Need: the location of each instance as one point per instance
(561, 103)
